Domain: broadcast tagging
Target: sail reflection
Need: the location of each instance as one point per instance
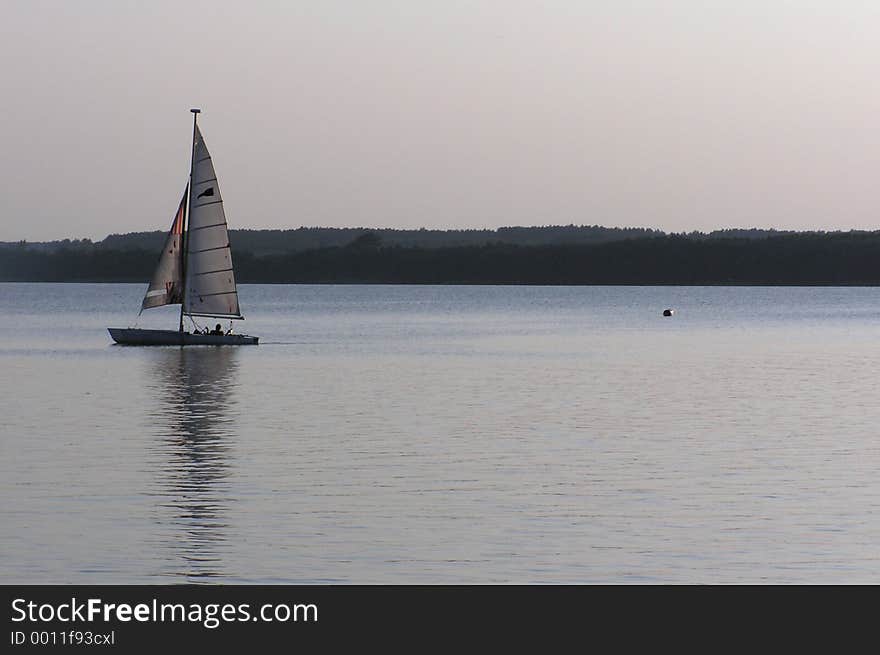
(196, 389)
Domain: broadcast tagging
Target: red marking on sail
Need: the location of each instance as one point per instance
(177, 225)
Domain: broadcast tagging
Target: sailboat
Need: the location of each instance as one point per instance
(195, 268)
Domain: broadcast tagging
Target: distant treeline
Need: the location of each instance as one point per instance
(847, 258)
(278, 242)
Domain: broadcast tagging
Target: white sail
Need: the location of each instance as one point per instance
(210, 281)
(166, 286)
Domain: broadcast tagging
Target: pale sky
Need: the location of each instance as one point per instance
(673, 114)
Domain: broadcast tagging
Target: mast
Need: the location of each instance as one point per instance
(183, 237)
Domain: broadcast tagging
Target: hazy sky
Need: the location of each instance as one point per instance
(676, 114)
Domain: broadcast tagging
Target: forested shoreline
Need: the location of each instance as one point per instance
(844, 258)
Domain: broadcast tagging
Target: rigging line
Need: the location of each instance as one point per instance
(195, 325)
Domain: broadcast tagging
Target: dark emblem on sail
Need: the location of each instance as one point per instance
(207, 192)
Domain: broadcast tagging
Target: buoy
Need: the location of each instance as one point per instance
(668, 312)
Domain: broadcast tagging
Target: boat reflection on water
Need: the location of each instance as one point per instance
(195, 393)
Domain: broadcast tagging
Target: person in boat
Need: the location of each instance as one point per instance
(217, 329)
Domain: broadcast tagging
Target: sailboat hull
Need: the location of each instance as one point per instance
(139, 337)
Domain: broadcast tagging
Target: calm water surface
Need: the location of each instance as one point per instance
(421, 434)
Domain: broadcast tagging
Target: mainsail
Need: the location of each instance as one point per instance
(166, 287)
(210, 282)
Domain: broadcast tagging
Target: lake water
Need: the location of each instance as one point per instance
(445, 434)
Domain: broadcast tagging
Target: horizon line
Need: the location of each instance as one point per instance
(473, 229)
